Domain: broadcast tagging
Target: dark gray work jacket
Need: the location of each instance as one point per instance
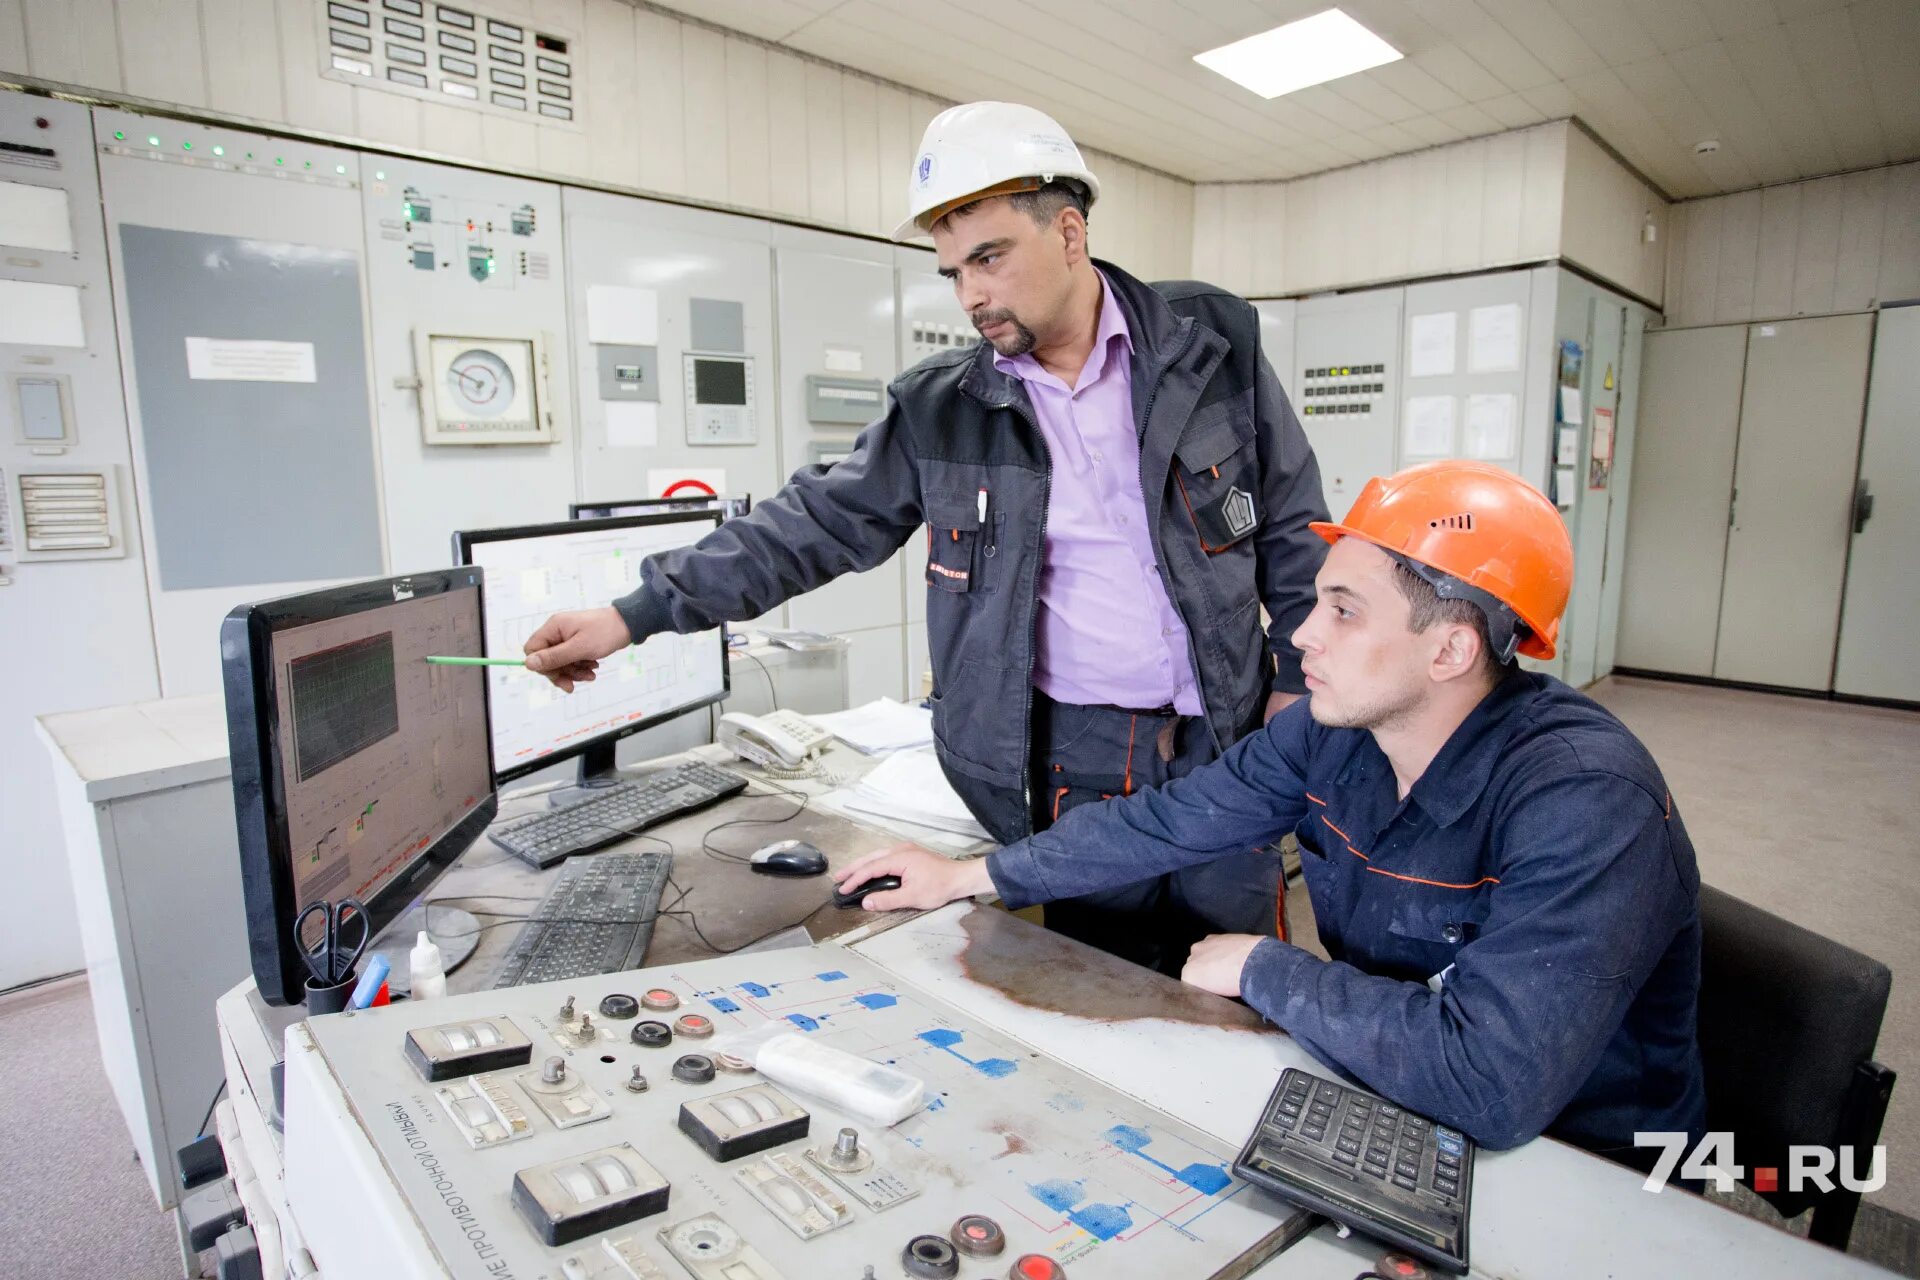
(1229, 481)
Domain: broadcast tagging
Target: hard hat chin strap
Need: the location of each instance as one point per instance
(1504, 628)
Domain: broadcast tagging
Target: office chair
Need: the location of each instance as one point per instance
(1788, 1021)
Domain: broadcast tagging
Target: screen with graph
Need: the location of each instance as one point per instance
(534, 572)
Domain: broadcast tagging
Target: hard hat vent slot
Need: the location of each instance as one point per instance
(1462, 523)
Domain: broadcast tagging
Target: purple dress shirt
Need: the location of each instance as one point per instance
(1107, 633)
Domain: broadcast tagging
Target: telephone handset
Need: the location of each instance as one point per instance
(777, 740)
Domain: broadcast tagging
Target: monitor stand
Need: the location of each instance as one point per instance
(597, 767)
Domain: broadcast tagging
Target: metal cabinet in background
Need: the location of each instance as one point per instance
(1881, 614)
(1743, 500)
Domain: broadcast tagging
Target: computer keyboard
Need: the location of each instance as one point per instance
(597, 918)
(1364, 1162)
(609, 815)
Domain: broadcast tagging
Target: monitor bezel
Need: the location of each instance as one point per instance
(259, 778)
(574, 509)
(464, 542)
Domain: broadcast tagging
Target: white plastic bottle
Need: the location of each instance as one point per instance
(427, 969)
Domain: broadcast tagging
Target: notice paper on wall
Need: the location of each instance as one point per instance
(1570, 404)
(1493, 338)
(623, 315)
(1564, 483)
(249, 360)
(1431, 340)
(1429, 429)
(35, 217)
(1490, 427)
(845, 360)
(633, 424)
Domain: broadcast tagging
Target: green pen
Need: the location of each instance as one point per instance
(477, 662)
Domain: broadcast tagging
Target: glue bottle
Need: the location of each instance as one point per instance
(427, 969)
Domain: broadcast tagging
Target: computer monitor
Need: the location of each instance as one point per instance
(730, 508)
(360, 770)
(535, 571)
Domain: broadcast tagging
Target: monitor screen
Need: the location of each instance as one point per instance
(730, 508)
(719, 380)
(359, 768)
(536, 571)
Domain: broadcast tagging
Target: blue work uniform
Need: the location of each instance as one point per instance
(1515, 945)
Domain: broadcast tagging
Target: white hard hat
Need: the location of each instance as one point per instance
(987, 149)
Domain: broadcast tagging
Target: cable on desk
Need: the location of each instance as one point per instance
(772, 695)
(693, 923)
(800, 799)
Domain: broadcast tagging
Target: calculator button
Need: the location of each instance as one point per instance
(1344, 1157)
(1404, 1183)
(1349, 1146)
(1446, 1186)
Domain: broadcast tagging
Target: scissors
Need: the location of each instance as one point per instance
(343, 936)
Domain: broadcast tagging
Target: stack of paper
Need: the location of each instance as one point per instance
(909, 787)
(880, 726)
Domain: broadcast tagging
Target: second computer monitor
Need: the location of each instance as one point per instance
(729, 507)
(535, 571)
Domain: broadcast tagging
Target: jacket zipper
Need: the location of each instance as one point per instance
(1160, 554)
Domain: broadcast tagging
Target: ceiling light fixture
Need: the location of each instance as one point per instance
(1311, 51)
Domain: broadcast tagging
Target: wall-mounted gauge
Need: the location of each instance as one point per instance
(484, 390)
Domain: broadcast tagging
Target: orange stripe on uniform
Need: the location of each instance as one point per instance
(1316, 799)
(1337, 831)
(1128, 780)
(1438, 884)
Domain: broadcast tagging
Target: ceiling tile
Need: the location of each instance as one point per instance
(1609, 27)
(1889, 35)
(1829, 56)
(1766, 63)
(1511, 110)
(1673, 24)
(1457, 74)
(1546, 35)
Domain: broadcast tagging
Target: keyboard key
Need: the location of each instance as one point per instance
(1446, 1186)
(1344, 1157)
(1404, 1183)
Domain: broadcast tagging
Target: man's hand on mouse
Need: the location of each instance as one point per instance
(927, 880)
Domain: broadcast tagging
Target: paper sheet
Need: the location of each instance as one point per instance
(247, 360)
(1429, 428)
(633, 424)
(1567, 450)
(880, 726)
(909, 786)
(1431, 340)
(1563, 487)
(1493, 338)
(1490, 427)
(845, 360)
(620, 314)
(1570, 404)
(40, 315)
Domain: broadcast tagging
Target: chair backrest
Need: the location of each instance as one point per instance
(1787, 1020)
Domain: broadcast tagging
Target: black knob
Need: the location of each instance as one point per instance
(694, 1068)
(619, 1006)
(652, 1035)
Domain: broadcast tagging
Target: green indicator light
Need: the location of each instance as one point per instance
(278, 160)
(309, 164)
(186, 146)
(219, 151)
(119, 135)
(153, 140)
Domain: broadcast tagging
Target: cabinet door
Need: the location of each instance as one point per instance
(1882, 610)
(1793, 482)
(1676, 537)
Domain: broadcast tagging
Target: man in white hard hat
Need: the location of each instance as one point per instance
(1111, 486)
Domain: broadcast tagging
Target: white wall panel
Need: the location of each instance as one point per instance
(1604, 214)
(1802, 249)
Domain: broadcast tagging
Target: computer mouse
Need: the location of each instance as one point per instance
(789, 858)
(858, 894)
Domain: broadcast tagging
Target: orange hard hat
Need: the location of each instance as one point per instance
(1477, 523)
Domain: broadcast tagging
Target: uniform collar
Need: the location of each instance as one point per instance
(1453, 782)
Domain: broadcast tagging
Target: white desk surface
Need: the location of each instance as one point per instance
(1542, 1210)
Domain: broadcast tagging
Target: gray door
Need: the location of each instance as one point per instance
(1793, 500)
(1676, 539)
(1881, 615)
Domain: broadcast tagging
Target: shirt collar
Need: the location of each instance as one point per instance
(1112, 324)
(1453, 782)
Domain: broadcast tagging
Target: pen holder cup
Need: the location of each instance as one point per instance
(329, 999)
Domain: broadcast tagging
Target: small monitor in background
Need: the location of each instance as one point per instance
(535, 571)
(729, 507)
(359, 769)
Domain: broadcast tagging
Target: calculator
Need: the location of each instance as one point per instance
(1364, 1162)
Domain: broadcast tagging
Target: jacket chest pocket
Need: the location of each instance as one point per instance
(1443, 919)
(960, 549)
(1218, 475)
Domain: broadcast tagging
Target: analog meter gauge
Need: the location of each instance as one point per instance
(484, 390)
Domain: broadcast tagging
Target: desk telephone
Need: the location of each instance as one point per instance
(777, 740)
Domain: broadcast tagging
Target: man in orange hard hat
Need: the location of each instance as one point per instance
(1507, 893)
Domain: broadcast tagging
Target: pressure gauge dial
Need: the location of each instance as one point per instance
(480, 383)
